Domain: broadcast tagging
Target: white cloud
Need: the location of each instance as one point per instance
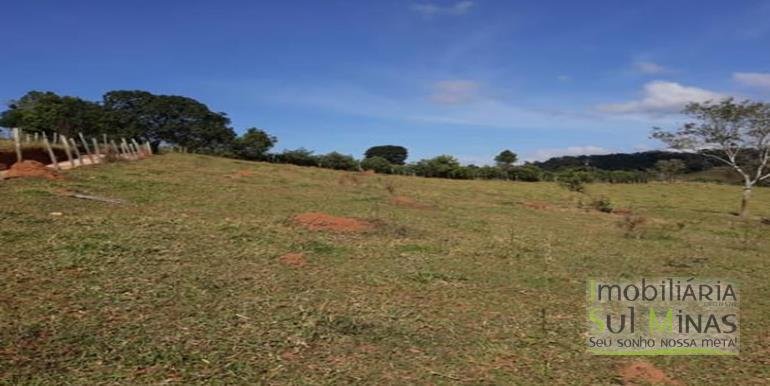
(452, 92)
(661, 97)
(431, 9)
(564, 78)
(649, 68)
(544, 154)
(754, 79)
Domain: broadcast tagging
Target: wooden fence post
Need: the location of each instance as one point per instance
(55, 138)
(17, 144)
(139, 150)
(149, 147)
(67, 149)
(51, 153)
(36, 133)
(77, 151)
(115, 148)
(88, 150)
(96, 146)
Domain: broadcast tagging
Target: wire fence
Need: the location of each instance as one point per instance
(65, 152)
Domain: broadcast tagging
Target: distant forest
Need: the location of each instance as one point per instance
(626, 161)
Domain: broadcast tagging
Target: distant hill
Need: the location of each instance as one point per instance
(627, 161)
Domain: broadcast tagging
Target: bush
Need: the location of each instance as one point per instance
(338, 161)
(301, 157)
(440, 166)
(602, 204)
(575, 180)
(529, 173)
(378, 164)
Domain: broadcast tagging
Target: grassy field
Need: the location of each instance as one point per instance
(183, 284)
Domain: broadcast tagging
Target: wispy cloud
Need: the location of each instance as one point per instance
(564, 78)
(661, 97)
(431, 9)
(649, 68)
(544, 154)
(452, 92)
(753, 79)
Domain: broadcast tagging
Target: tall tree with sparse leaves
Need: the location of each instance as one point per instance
(736, 134)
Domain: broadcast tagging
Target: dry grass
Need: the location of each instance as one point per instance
(183, 284)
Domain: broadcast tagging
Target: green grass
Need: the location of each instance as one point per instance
(183, 284)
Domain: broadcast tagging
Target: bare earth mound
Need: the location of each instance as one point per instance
(324, 222)
(644, 373)
(30, 169)
(293, 259)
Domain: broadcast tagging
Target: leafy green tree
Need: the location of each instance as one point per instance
(396, 155)
(377, 164)
(166, 119)
(440, 166)
(335, 160)
(49, 112)
(506, 159)
(254, 144)
(735, 134)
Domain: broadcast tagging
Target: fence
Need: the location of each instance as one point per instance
(93, 152)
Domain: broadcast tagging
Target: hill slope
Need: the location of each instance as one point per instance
(447, 283)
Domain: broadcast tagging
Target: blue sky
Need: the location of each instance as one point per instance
(467, 78)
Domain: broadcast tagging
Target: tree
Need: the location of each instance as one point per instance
(254, 144)
(377, 164)
(166, 119)
(736, 134)
(670, 168)
(335, 160)
(394, 154)
(48, 112)
(440, 166)
(506, 159)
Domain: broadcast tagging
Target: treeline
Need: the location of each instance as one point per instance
(627, 161)
(171, 120)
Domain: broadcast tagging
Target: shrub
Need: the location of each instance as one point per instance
(301, 157)
(575, 180)
(602, 204)
(378, 164)
(338, 161)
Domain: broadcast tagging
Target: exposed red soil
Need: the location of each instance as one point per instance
(8, 157)
(408, 202)
(642, 373)
(293, 259)
(31, 169)
(325, 222)
(368, 173)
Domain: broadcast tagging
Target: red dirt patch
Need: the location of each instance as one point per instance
(293, 259)
(324, 222)
(31, 169)
(642, 373)
(536, 205)
(368, 173)
(408, 202)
